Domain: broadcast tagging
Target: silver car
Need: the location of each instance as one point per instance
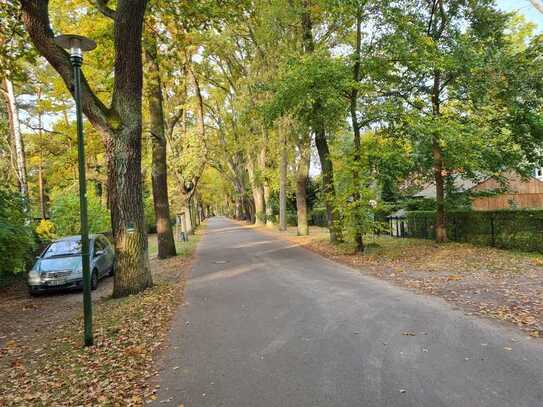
(60, 265)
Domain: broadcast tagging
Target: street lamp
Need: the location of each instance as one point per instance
(76, 45)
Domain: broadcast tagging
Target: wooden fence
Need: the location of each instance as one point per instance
(508, 201)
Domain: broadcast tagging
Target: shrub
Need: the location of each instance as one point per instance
(45, 230)
(16, 236)
(65, 215)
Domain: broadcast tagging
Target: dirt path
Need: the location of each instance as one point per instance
(23, 317)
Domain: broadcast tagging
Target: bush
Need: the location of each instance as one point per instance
(45, 230)
(66, 217)
(506, 229)
(16, 236)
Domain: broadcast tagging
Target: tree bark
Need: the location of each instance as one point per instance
(302, 176)
(159, 170)
(267, 204)
(440, 225)
(124, 158)
(357, 182)
(437, 153)
(258, 193)
(120, 126)
(15, 129)
(283, 183)
(41, 178)
(328, 188)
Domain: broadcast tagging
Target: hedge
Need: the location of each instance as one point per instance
(506, 229)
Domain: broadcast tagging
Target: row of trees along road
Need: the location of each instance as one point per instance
(227, 103)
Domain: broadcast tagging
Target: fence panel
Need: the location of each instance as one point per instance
(506, 229)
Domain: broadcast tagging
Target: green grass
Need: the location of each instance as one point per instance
(183, 248)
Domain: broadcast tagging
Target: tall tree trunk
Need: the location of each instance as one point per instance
(437, 153)
(328, 188)
(440, 224)
(267, 204)
(320, 134)
(120, 125)
(357, 182)
(260, 208)
(258, 192)
(302, 176)
(15, 129)
(41, 186)
(159, 170)
(41, 178)
(249, 207)
(283, 182)
(123, 153)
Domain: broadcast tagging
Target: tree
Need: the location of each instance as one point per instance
(15, 130)
(119, 124)
(159, 170)
(434, 55)
(318, 127)
(283, 176)
(538, 5)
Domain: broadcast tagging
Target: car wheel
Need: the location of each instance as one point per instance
(94, 280)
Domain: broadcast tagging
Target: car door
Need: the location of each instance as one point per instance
(99, 257)
(109, 253)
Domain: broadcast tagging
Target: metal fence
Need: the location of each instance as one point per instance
(507, 229)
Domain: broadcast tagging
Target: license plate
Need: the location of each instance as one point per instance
(57, 281)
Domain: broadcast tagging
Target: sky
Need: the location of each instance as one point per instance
(525, 8)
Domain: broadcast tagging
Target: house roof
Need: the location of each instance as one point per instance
(402, 213)
(460, 184)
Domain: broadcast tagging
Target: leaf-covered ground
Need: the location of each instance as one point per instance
(494, 283)
(52, 367)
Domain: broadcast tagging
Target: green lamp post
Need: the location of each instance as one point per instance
(76, 45)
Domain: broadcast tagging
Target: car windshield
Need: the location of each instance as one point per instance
(63, 248)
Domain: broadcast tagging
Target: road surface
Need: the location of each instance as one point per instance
(267, 324)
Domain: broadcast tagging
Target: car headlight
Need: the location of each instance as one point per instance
(33, 276)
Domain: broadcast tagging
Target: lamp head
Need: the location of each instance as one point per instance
(76, 44)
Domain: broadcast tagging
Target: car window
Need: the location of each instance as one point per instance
(104, 241)
(63, 248)
(98, 245)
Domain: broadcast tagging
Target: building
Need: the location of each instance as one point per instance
(519, 193)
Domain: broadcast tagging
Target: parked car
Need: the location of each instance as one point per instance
(60, 265)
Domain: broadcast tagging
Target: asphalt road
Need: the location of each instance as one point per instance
(269, 324)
